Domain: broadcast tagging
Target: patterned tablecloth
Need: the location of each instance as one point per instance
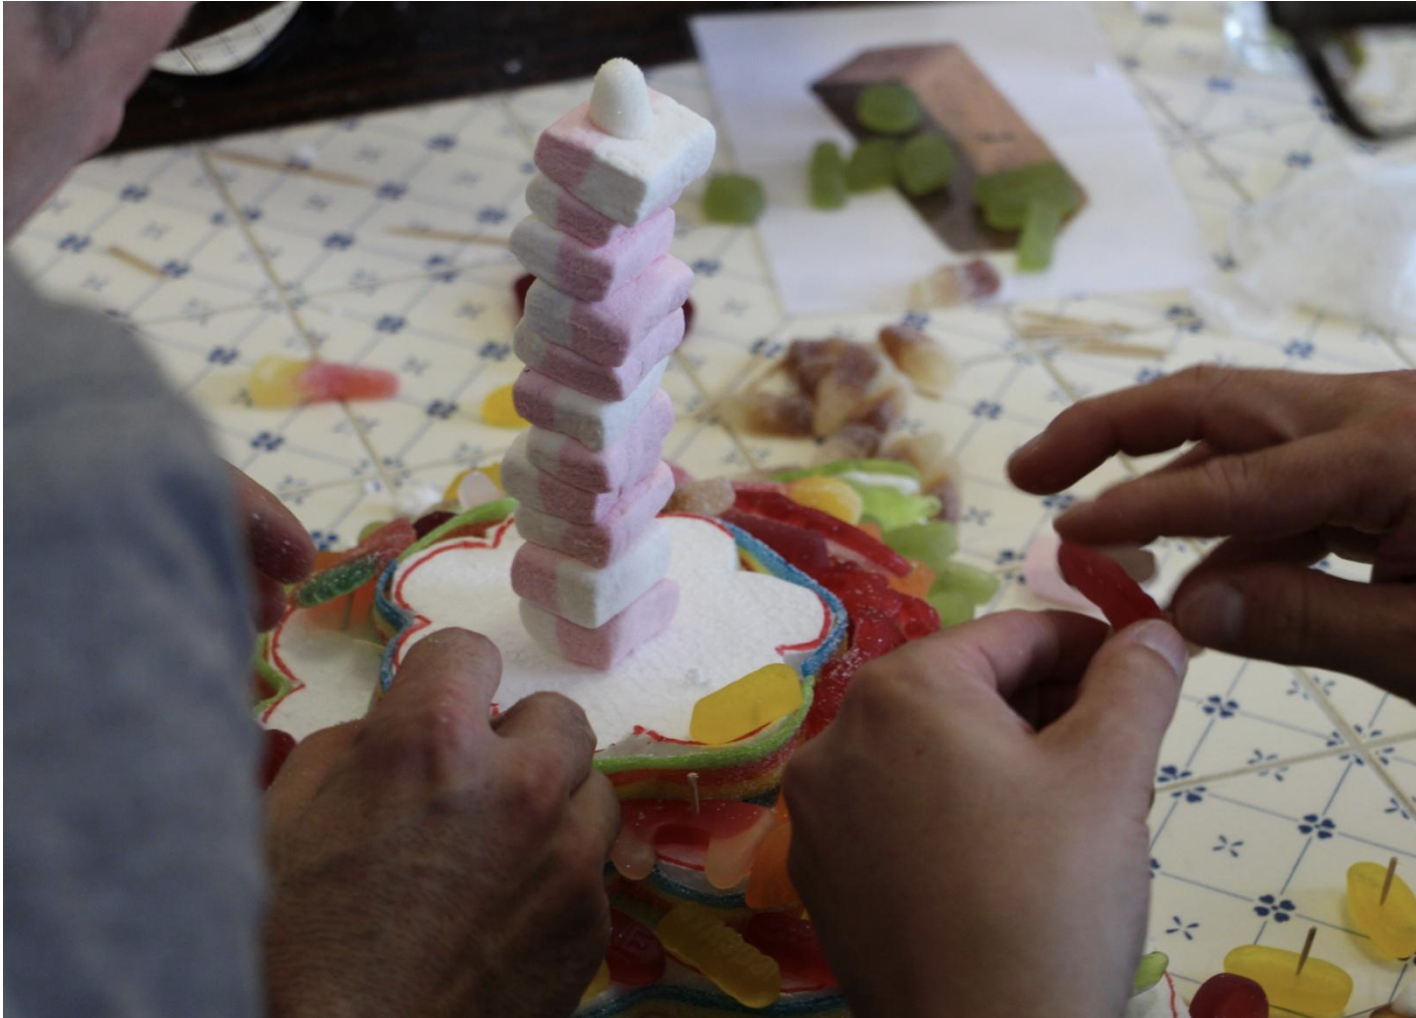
(383, 240)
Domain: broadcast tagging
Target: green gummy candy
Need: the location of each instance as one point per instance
(369, 529)
(887, 108)
(872, 165)
(925, 163)
(932, 543)
(1149, 971)
(1039, 232)
(734, 198)
(828, 177)
(895, 468)
(336, 581)
(487, 512)
(960, 577)
(1004, 197)
(953, 607)
(892, 508)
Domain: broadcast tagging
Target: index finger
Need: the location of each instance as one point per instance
(281, 547)
(448, 678)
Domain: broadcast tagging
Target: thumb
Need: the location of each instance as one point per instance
(1127, 698)
(1293, 615)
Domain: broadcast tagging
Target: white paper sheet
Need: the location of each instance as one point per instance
(1052, 63)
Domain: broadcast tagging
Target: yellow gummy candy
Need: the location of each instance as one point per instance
(274, 381)
(1391, 925)
(499, 411)
(1321, 990)
(829, 495)
(492, 470)
(697, 937)
(598, 985)
(742, 707)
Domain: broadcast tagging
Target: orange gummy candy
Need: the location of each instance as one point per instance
(916, 584)
(769, 885)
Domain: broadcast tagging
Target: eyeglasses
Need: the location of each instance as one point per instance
(223, 44)
(1362, 57)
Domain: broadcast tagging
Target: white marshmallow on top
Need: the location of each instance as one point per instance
(619, 103)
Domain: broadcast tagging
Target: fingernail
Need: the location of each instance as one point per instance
(1212, 613)
(1164, 640)
(1077, 510)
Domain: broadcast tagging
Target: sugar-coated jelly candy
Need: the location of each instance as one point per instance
(702, 498)
(831, 684)
(733, 198)
(1040, 228)
(917, 618)
(769, 413)
(285, 381)
(769, 884)
(599, 983)
(892, 508)
(635, 957)
(744, 706)
(275, 748)
(887, 108)
(1004, 196)
(973, 280)
(1105, 584)
(499, 411)
(972, 582)
(805, 549)
(792, 944)
(831, 495)
(1229, 996)
(872, 165)
(925, 163)
(1390, 924)
(954, 607)
(932, 543)
(827, 177)
(1321, 990)
(696, 936)
(917, 354)
(731, 825)
(1149, 971)
(357, 566)
(848, 541)
(917, 584)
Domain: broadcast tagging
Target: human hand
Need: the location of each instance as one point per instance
(427, 861)
(1288, 467)
(281, 549)
(970, 834)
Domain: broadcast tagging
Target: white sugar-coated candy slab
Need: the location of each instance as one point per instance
(729, 622)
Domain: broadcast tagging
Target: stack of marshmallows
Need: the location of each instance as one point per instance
(601, 320)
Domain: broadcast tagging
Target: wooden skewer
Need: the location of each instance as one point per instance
(693, 789)
(1386, 884)
(429, 233)
(1307, 947)
(329, 176)
(136, 261)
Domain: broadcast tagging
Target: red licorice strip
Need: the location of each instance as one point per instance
(1105, 584)
(777, 506)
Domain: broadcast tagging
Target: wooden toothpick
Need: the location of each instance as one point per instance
(693, 789)
(1386, 884)
(1307, 947)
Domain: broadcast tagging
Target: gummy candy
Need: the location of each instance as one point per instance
(733, 198)
(953, 607)
(1390, 924)
(430, 521)
(805, 549)
(1149, 971)
(1320, 990)
(703, 498)
(970, 581)
(357, 566)
(872, 165)
(1106, 585)
(635, 957)
(948, 285)
(1229, 996)
(828, 177)
(919, 357)
(697, 937)
(831, 684)
(874, 633)
(932, 543)
(829, 495)
(917, 618)
(810, 360)
(499, 411)
(276, 747)
(284, 382)
(1040, 228)
(917, 584)
(846, 389)
(598, 984)
(887, 108)
(744, 706)
(852, 440)
(792, 943)
(724, 830)
(769, 885)
(851, 466)
(881, 411)
(925, 163)
(1004, 196)
(893, 509)
(847, 540)
(763, 413)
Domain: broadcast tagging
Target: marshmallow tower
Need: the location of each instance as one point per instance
(601, 319)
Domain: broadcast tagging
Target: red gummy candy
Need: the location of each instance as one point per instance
(430, 521)
(522, 284)
(1105, 584)
(1229, 996)
(792, 944)
(875, 634)
(277, 746)
(917, 618)
(635, 957)
(805, 549)
(678, 822)
(831, 685)
(852, 541)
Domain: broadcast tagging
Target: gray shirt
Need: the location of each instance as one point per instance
(133, 868)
